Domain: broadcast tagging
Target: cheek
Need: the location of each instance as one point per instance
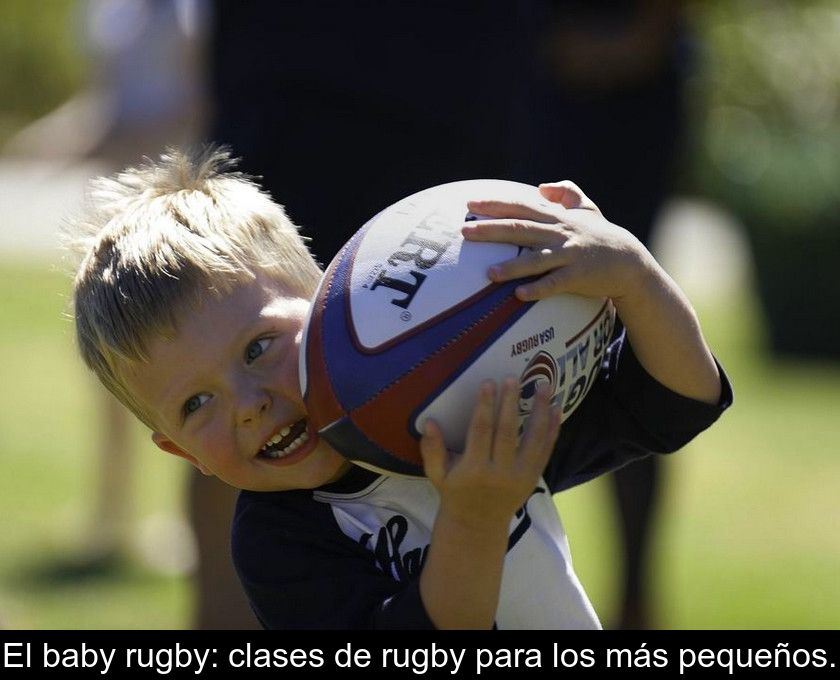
(289, 375)
(214, 443)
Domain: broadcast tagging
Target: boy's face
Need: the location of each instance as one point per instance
(225, 393)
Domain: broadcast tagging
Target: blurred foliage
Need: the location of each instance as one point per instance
(42, 63)
(767, 145)
(768, 103)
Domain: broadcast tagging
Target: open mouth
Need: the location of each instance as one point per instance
(286, 442)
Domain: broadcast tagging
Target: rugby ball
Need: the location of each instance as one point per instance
(405, 326)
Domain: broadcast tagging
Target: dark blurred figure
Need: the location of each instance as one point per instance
(606, 110)
(346, 107)
(606, 104)
(343, 108)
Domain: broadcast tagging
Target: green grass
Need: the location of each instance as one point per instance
(749, 521)
(49, 432)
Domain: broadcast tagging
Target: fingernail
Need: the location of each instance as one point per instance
(494, 272)
(522, 292)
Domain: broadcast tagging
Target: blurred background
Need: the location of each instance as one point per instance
(96, 529)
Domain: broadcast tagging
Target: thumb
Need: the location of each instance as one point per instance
(554, 283)
(568, 194)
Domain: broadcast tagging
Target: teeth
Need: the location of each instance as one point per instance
(276, 439)
(271, 442)
(297, 443)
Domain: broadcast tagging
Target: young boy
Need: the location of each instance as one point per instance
(190, 302)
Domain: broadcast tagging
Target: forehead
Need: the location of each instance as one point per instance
(217, 312)
(220, 313)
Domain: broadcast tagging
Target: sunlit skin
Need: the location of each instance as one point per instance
(227, 383)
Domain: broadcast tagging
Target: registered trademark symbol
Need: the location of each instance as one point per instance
(406, 316)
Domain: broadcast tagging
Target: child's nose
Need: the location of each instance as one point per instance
(252, 404)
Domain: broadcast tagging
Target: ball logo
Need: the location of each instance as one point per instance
(541, 369)
(570, 373)
(423, 253)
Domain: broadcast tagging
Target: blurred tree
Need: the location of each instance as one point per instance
(42, 61)
(768, 136)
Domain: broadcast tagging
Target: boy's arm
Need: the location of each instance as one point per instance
(480, 490)
(575, 250)
(625, 416)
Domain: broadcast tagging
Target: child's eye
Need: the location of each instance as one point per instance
(256, 348)
(194, 403)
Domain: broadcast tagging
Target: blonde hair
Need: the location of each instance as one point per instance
(155, 240)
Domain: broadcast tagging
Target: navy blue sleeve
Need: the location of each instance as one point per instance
(626, 416)
(300, 571)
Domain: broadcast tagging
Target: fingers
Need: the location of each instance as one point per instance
(538, 421)
(507, 423)
(518, 232)
(496, 431)
(433, 450)
(541, 431)
(493, 440)
(529, 263)
(480, 433)
(514, 210)
(557, 281)
(568, 194)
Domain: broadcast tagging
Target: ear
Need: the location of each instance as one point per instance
(166, 444)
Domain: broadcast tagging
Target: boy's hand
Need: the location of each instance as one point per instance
(480, 490)
(575, 248)
(578, 251)
(494, 476)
